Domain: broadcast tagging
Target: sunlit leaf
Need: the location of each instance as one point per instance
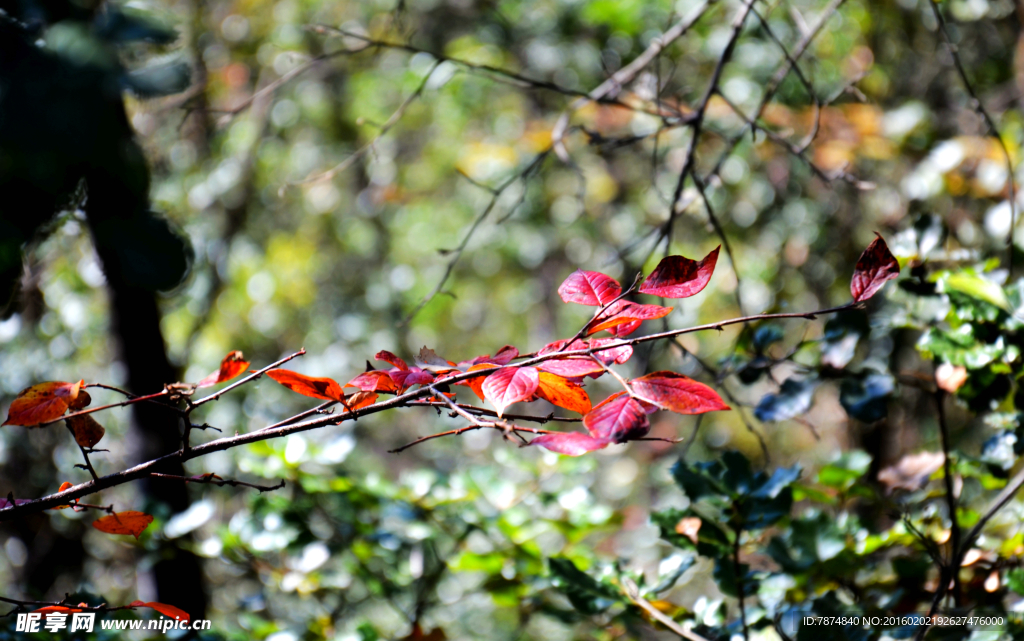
(374, 380)
(558, 391)
(510, 385)
(388, 357)
(164, 609)
(570, 443)
(359, 400)
(624, 311)
(874, 267)
(232, 365)
(680, 277)
(619, 418)
(589, 288)
(677, 393)
(42, 403)
(323, 388)
(129, 522)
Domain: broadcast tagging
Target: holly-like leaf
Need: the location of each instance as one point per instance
(232, 365)
(42, 403)
(624, 311)
(164, 609)
(589, 288)
(570, 443)
(130, 522)
(374, 380)
(87, 431)
(510, 385)
(388, 357)
(680, 277)
(874, 267)
(677, 393)
(619, 418)
(558, 391)
(323, 388)
(793, 399)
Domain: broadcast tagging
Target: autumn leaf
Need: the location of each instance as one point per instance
(874, 267)
(232, 365)
(63, 486)
(558, 391)
(510, 385)
(680, 277)
(86, 429)
(42, 403)
(374, 380)
(476, 383)
(570, 443)
(619, 418)
(388, 357)
(129, 522)
(322, 388)
(624, 311)
(80, 402)
(430, 361)
(589, 288)
(164, 609)
(677, 393)
(56, 608)
(359, 400)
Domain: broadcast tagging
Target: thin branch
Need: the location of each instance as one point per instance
(631, 591)
(213, 479)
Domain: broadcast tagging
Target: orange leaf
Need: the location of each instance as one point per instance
(558, 391)
(42, 403)
(374, 380)
(81, 401)
(627, 312)
(57, 608)
(359, 400)
(86, 430)
(323, 388)
(63, 486)
(475, 383)
(162, 608)
(232, 365)
(130, 522)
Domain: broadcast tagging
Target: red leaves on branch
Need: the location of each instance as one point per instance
(558, 391)
(680, 277)
(42, 403)
(623, 312)
(232, 365)
(359, 400)
(619, 418)
(589, 288)
(579, 366)
(476, 384)
(323, 388)
(129, 522)
(570, 443)
(57, 608)
(510, 385)
(874, 267)
(163, 608)
(677, 393)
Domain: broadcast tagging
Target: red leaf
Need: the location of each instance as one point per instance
(510, 385)
(374, 380)
(130, 522)
(579, 366)
(589, 288)
(63, 486)
(619, 418)
(572, 367)
(677, 393)
(505, 355)
(680, 277)
(86, 429)
(418, 377)
(625, 311)
(232, 365)
(874, 267)
(570, 443)
(322, 388)
(388, 357)
(42, 403)
(618, 355)
(163, 608)
(558, 391)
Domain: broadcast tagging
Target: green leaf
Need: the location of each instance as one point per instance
(967, 282)
(585, 593)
